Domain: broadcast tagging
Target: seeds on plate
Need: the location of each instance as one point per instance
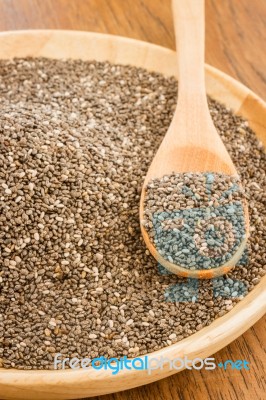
(76, 141)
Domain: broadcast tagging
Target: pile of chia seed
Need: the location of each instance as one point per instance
(195, 220)
(76, 141)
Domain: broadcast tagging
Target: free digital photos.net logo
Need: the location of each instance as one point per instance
(182, 246)
(145, 363)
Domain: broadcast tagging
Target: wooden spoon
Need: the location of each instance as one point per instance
(192, 143)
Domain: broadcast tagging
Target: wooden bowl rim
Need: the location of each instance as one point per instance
(67, 384)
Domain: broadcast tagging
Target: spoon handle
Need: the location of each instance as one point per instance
(189, 31)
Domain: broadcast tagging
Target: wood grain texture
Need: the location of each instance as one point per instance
(235, 44)
(235, 30)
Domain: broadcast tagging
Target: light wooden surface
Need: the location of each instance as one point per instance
(192, 143)
(235, 29)
(237, 49)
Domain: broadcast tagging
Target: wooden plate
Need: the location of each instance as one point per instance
(69, 384)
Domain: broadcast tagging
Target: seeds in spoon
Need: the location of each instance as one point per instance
(195, 220)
